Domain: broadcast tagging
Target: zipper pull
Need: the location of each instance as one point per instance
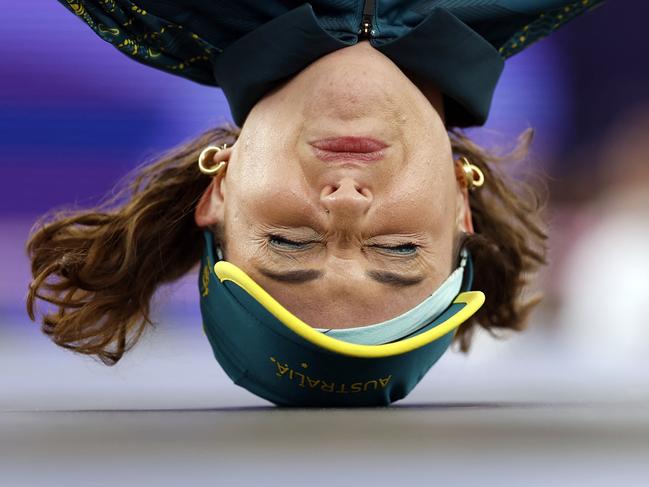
(367, 29)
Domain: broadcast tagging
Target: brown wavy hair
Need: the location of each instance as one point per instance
(99, 268)
(510, 240)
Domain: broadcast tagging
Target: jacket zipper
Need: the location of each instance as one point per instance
(367, 29)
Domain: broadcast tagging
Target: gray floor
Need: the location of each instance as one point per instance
(519, 412)
(425, 444)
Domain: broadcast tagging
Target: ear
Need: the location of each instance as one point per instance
(210, 209)
(464, 221)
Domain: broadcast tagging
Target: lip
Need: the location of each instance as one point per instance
(365, 149)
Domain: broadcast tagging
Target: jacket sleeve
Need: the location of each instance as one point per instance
(162, 42)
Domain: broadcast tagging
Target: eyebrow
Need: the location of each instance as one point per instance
(295, 277)
(306, 275)
(395, 279)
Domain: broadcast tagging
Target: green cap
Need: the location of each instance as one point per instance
(273, 354)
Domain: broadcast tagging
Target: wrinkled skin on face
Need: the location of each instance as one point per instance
(342, 243)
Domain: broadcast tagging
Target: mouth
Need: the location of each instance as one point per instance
(364, 149)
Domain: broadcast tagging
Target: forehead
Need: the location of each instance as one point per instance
(341, 300)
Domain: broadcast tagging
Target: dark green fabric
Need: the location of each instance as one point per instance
(246, 47)
(265, 357)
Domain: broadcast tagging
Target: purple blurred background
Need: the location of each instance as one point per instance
(66, 94)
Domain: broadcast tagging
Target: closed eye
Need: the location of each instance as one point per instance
(401, 249)
(284, 243)
(288, 244)
(278, 241)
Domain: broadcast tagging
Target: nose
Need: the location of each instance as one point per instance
(346, 200)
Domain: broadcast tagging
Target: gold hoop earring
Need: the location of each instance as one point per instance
(208, 153)
(473, 175)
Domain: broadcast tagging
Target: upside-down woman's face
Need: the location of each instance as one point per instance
(338, 241)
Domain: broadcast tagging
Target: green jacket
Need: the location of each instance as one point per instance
(247, 47)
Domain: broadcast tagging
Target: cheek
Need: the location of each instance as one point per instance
(270, 130)
(422, 203)
(254, 212)
(265, 167)
(431, 189)
(263, 161)
(272, 199)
